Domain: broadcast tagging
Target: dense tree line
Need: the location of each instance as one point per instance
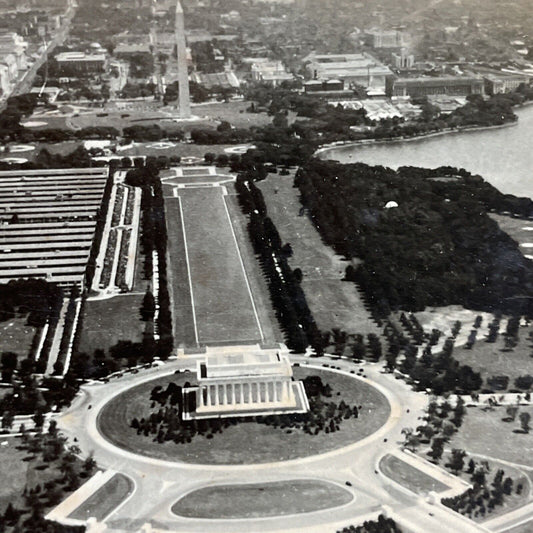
(154, 237)
(381, 525)
(152, 132)
(33, 297)
(287, 296)
(437, 247)
(101, 217)
(78, 158)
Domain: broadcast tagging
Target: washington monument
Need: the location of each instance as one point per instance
(183, 74)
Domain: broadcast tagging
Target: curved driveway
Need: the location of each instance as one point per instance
(159, 484)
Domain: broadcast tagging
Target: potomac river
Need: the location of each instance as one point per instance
(503, 156)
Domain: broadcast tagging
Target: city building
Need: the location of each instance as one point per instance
(323, 86)
(504, 82)
(13, 44)
(425, 86)
(377, 38)
(272, 72)
(403, 59)
(361, 69)
(126, 50)
(243, 383)
(5, 80)
(9, 73)
(72, 63)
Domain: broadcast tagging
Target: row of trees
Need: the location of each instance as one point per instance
(287, 296)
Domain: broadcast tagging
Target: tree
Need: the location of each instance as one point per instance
(437, 448)
(9, 365)
(458, 412)
(524, 421)
(209, 158)
(148, 306)
(457, 460)
(7, 419)
(512, 411)
(38, 419)
(89, 464)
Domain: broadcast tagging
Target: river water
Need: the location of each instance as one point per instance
(504, 157)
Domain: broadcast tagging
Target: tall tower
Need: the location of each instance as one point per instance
(183, 74)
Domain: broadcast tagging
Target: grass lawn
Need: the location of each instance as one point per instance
(222, 303)
(232, 112)
(261, 500)
(247, 442)
(20, 468)
(178, 279)
(333, 302)
(16, 336)
(13, 472)
(524, 528)
(520, 230)
(484, 432)
(105, 499)
(258, 283)
(491, 359)
(179, 150)
(410, 477)
(106, 322)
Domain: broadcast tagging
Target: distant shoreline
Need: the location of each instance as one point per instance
(390, 140)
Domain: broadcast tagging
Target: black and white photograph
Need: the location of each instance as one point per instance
(266, 266)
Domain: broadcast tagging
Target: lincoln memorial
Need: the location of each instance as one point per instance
(244, 384)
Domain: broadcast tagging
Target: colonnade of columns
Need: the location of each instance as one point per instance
(256, 392)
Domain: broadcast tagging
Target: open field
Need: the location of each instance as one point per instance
(483, 432)
(261, 500)
(221, 300)
(178, 150)
(232, 112)
(13, 472)
(16, 336)
(491, 359)
(408, 476)
(105, 499)
(333, 302)
(520, 230)
(108, 321)
(247, 442)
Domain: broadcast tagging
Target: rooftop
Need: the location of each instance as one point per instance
(245, 364)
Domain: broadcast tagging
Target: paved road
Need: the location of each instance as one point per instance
(26, 82)
(160, 483)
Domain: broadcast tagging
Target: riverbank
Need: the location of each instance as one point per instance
(395, 140)
(502, 155)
